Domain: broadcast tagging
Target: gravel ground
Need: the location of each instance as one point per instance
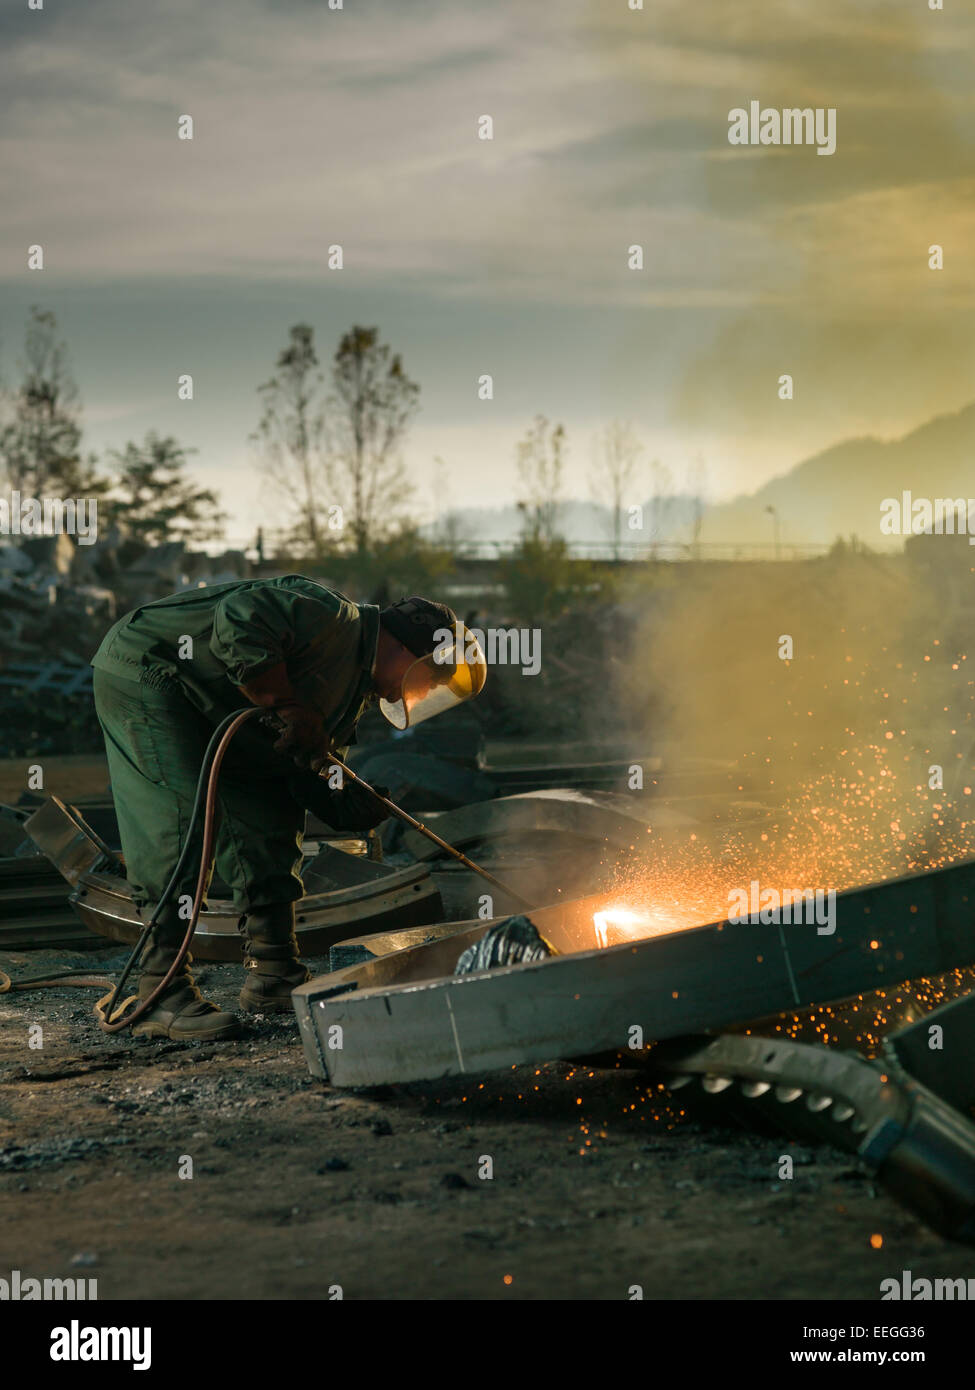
(296, 1187)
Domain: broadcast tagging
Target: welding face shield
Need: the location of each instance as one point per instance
(453, 672)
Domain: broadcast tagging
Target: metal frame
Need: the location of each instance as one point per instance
(404, 1017)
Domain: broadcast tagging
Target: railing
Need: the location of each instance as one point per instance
(626, 552)
(630, 552)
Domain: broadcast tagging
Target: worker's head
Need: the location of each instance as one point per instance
(426, 661)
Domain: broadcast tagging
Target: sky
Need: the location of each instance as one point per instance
(359, 127)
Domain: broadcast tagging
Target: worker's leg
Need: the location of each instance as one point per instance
(155, 741)
(259, 852)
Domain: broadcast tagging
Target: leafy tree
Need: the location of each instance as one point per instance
(154, 500)
(40, 433)
(541, 579)
(400, 562)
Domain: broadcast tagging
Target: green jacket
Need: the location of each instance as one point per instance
(211, 640)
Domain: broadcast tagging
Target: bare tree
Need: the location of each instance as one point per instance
(697, 479)
(661, 500)
(290, 436)
(370, 408)
(616, 465)
(540, 457)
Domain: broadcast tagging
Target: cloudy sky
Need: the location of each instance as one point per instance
(315, 126)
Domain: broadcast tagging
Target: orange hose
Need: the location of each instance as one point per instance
(125, 1020)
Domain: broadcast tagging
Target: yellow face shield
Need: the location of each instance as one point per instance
(453, 672)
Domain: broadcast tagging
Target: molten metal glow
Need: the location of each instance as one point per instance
(622, 922)
(873, 818)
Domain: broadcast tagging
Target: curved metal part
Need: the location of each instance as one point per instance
(924, 1047)
(598, 817)
(402, 898)
(354, 894)
(61, 833)
(930, 1166)
(922, 1150)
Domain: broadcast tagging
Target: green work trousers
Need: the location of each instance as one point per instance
(155, 740)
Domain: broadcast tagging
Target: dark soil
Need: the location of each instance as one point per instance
(297, 1187)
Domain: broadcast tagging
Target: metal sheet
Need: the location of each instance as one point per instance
(943, 1061)
(427, 1024)
(600, 817)
(105, 905)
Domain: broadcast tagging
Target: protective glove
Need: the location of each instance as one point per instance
(302, 733)
(362, 810)
(352, 808)
(300, 729)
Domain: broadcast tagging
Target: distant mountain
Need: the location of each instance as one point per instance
(839, 491)
(835, 493)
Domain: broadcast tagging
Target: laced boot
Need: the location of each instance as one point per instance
(181, 1012)
(270, 959)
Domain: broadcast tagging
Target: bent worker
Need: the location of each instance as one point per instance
(168, 673)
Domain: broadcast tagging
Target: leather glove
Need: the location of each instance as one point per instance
(300, 729)
(302, 735)
(362, 809)
(352, 808)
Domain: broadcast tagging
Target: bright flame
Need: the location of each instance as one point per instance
(628, 924)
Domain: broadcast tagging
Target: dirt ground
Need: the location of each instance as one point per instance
(297, 1187)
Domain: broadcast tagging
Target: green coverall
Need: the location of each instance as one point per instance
(165, 676)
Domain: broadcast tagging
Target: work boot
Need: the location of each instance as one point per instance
(181, 1013)
(270, 959)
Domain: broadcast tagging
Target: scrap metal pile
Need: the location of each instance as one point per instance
(57, 597)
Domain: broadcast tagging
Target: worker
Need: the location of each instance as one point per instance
(169, 672)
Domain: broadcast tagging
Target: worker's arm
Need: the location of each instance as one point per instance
(351, 808)
(255, 628)
(302, 729)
